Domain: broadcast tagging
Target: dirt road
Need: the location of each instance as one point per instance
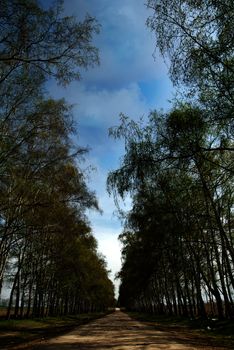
(119, 332)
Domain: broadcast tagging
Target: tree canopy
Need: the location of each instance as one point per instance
(178, 241)
(48, 255)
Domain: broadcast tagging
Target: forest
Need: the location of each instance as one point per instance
(178, 166)
(178, 236)
(48, 254)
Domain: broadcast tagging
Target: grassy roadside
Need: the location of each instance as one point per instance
(16, 334)
(217, 333)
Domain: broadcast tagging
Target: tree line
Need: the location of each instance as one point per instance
(48, 255)
(178, 237)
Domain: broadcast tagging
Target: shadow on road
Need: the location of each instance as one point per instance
(118, 331)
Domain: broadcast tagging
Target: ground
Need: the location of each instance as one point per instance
(120, 332)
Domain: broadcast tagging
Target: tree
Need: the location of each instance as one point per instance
(41, 41)
(196, 37)
(51, 225)
(47, 250)
(178, 168)
(177, 219)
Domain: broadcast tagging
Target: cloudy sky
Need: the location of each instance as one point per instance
(128, 80)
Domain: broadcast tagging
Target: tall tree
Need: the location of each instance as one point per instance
(177, 220)
(47, 250)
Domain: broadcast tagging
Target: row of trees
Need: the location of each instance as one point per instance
(178, 239)
(48, 255)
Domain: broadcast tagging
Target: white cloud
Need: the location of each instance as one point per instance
(126, 44)
(106, 227)
(97, 182)
(126, 48)
(109, 246)
(105, 106)
(102, 106)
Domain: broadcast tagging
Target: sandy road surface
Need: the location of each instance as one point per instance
(119, 332)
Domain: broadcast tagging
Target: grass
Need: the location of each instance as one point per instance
(46, 322)
(220, 332)
(15, 332)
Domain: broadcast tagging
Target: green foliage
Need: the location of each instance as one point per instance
(178, 243)
(179, 170)
(181, 217)
(197, 38)
(43, 42)
(47, 251)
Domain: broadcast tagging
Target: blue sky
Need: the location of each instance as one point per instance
(128, 80)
